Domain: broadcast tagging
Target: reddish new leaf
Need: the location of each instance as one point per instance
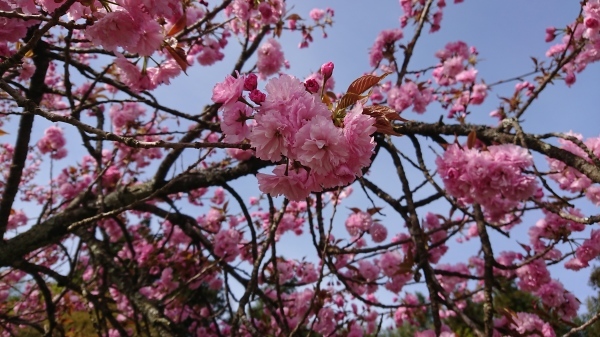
(294, 17)
(347, 100)
(329, 98)
(178, 26)
(374, 210)
(407, 264)
(178, 54)
(383, 118)
(510, 315)
(331, 95)
(365, 83)
(471, 139)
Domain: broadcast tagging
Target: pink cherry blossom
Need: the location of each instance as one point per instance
(525, 322)
(132, 75)
(494, 179)
(385, 40)
(270, 58)
(228, 91)
(124, 116)
(378, 232)
(359, 222)
(317, 14)
(323, 145)
(234, 124)
(226, 244)
(115, 29)
(271, 136)
(53, 142)
(293, 183)
(209, 52)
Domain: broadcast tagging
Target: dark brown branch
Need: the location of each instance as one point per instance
(34, 95)
(495, 136)
(408, 52)
(54, 229)
(583, 326)
(488, 271)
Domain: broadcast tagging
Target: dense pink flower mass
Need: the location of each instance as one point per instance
(270, 58)
(135, 32)
(321, 145)
(295, 184)
(53, 142)
(359, 222)
(228, 91)
(494, 178)
(124, 116)
(293, 123)
(526, 323)
(569, 178)
(410, 94)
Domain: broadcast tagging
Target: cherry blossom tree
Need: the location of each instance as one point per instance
(126, 209)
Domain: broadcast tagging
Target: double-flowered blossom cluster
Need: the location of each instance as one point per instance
(270, 58)
(455, 75)
(525, 324)
(362, 222)
(132, 25)
(493, 178)
(456, 72)
(399, 97)
(53, 142)
(252, 15)
(319, 150)
(568, 178)
(585, 36)
(535, 278)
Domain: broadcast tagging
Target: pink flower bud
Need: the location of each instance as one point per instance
(327, 69)
(257, 96)
(550, 34)
(250, 82)
(312, 85)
